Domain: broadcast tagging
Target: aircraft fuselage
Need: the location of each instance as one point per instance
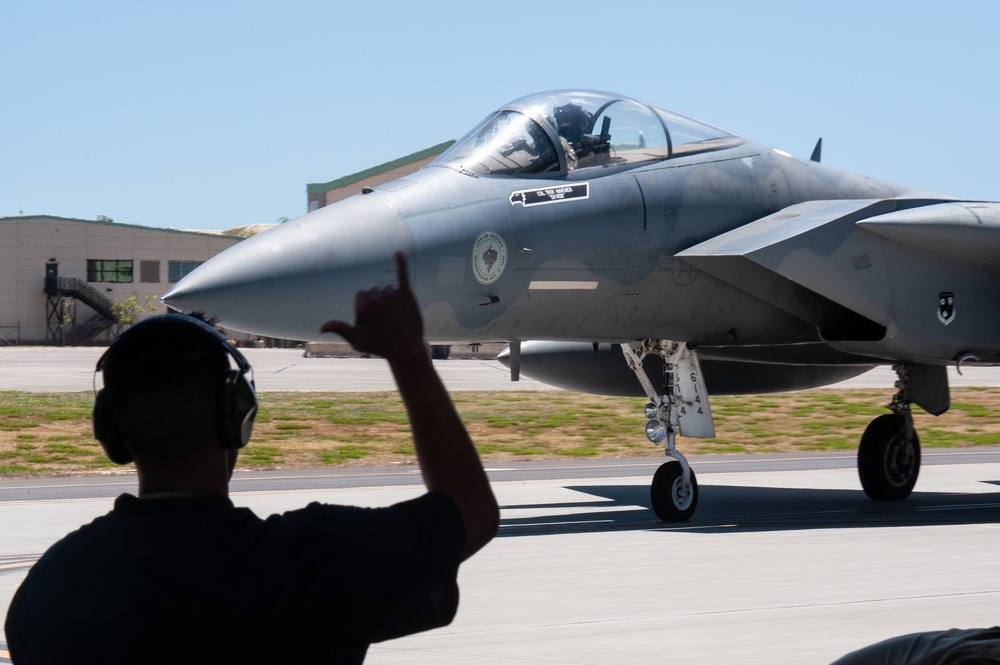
(596, 261)
(574, 219)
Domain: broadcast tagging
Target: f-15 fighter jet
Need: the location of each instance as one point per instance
(642, 251)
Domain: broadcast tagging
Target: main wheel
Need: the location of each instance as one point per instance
(673, 499)
(888, 460)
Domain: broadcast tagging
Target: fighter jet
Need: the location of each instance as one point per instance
(622, 248)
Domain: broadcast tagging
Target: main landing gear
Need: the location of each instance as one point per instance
(681, 406)
(889, 455)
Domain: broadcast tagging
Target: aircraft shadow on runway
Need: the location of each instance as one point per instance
(727, 509)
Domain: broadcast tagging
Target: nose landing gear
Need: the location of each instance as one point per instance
(680, 407)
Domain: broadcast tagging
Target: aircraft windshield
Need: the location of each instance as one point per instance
(569, 131)
(506, 143)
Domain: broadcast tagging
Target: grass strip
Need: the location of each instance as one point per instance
(50, 433)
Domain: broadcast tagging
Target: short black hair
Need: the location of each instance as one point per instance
(163, 351)
(163, 374)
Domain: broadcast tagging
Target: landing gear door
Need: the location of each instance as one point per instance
(694, 417)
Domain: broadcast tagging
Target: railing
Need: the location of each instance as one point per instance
(17, 339)
(88, 295)
(87, 330)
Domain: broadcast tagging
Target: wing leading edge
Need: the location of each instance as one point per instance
(915, 281)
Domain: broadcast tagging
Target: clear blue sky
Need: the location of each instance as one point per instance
(211, 115)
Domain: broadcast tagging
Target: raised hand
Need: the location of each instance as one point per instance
(387, 320)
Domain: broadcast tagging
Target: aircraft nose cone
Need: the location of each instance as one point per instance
(289, 280)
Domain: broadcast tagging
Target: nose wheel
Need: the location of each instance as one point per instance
(674, 498)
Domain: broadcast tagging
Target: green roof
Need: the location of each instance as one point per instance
(323, 187)
(112, 223)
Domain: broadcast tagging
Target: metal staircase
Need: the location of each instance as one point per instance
(63, 292)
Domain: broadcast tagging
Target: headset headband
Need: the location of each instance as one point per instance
(237, 399)
(183, 320)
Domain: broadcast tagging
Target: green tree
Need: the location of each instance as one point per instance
(128, 311)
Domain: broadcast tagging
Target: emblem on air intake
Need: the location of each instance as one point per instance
(489, 257)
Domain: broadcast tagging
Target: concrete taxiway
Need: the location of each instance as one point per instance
(53, 369)
(786, 561)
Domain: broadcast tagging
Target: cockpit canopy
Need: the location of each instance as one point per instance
(562, 132)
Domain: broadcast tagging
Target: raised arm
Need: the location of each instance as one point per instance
(388, 324)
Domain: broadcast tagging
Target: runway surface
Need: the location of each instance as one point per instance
(53, 369)
(786, 560)
(50, 369)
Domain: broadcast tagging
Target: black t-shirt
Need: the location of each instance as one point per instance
(938, 647)
(197, 580)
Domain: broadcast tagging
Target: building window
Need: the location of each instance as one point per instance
(178, 269)
(149, 272)
(109, 270)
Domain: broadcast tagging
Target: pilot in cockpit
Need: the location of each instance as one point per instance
(574, 124)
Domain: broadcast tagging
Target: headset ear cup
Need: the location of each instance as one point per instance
(239, 408)
(105, 431)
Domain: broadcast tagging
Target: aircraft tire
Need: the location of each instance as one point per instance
(888, 461)
(672, 499)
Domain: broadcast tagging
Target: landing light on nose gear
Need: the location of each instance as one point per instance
(680, 407)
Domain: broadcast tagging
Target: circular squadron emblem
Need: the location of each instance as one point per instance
(489, 257)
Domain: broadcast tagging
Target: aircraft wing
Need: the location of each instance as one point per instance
(872, 273)
(966, 233)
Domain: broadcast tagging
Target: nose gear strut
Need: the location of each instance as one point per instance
(680, 407)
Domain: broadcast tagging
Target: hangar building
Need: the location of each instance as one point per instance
(75, 281)
(325, 193)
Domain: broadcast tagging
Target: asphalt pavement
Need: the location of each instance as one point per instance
(55, 369)
(786, 561)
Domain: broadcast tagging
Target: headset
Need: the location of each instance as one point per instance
(238, 396)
